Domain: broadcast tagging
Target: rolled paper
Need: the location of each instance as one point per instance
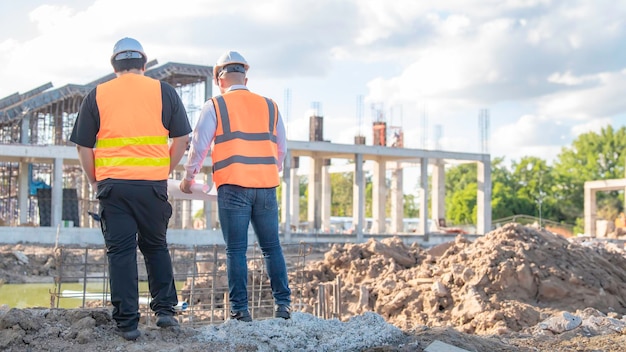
(199, 191)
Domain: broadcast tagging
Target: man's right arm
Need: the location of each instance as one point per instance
(203, 135)
(84, 135)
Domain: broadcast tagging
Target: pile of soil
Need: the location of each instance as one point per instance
(506, 281)
(515, 289)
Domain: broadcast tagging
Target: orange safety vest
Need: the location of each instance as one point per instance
(132, 143)
(245, 151)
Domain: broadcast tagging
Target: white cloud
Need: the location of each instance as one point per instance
(568, 79)
(561, 61)
(592, 126)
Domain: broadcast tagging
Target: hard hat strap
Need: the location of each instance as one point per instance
(232, 68)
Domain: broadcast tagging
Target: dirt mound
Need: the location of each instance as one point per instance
(515, 289)
(508, 280)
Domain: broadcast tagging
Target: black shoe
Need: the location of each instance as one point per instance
(164, 321)
(243, 315)
(282, 311)
(129, 335)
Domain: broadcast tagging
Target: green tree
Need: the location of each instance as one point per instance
(304, 192)
(410, 205)
(592, 156)
(534, 181)
(504, 203)
(516, 192)
(341, 191)
(461, 188)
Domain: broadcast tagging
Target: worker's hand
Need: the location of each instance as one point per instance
(94, 186)
(185, 186)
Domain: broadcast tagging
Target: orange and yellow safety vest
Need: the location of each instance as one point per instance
(132, 143)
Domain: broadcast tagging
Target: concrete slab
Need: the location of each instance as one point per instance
(438, 346)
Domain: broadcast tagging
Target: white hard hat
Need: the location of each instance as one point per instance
(233, 60)
(128, 48)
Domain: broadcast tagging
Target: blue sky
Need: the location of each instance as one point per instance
(546, 70)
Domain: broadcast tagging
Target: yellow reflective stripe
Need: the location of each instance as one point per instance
(120, 142)
(105, 162)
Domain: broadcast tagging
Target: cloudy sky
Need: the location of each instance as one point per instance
(544, 71)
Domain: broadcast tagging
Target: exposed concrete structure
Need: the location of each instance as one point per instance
(397, 201)
(63, 156)
(379, 198)
(319, 151)
(35, 127)
(591, 188)
(35, 123)
(93, 236)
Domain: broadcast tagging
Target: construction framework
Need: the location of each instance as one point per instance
(45, 116)
(41, 183)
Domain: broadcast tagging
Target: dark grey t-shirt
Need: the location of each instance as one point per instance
(173, 115)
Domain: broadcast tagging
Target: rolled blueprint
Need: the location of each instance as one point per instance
(199, 191)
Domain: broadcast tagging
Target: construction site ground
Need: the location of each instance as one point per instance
(517, 288)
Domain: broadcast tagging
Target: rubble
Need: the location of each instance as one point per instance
(517, 288)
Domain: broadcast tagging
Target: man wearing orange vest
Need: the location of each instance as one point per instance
(249, 148)
(122, 134)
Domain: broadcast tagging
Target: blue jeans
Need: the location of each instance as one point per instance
(237, 208)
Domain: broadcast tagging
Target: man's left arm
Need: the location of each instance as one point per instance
(86, 159)
(177, 150)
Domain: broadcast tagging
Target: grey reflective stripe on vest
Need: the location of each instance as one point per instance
(223, 114)
(270, 108)
(228, 135)
(267, 160)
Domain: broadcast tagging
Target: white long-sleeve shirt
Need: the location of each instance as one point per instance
(204, 135)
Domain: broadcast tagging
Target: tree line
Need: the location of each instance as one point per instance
(529, 186)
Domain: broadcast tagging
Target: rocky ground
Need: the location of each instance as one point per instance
(515, 289)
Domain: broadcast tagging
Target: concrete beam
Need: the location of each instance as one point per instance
(86, 237)
(369, 152)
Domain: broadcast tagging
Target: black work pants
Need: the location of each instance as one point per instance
(136, 213)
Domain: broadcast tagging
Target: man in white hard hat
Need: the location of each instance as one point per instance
(248, 153)
(122, 133)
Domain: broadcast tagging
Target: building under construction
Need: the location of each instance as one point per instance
(41, 182)
(42, 185)
(45, 116)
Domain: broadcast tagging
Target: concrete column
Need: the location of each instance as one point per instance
(294, 190)
(397, 200)
(25, 129)
(326, 196)
(358, 197)
(23, 190)
(315, 194)
(211, 217)
(186, 216)
(379, 197)
(23, 181)
(590, 209)
(483, 203)
(422, 229)
(438, 191)
(285, 209)
(56, 210)
(89, 195)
